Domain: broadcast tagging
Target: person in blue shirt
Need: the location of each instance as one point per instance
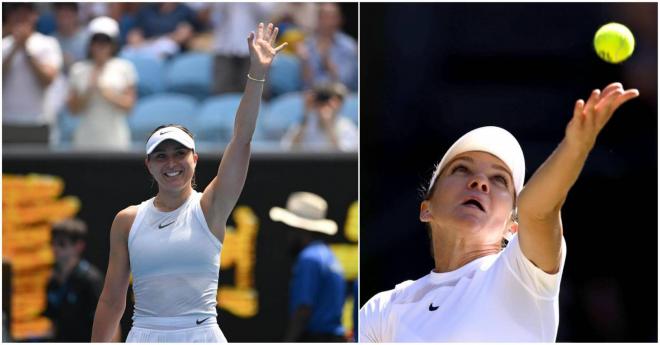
(329, 55)
(317, 288)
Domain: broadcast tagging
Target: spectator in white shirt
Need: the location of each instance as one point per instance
(30, 63)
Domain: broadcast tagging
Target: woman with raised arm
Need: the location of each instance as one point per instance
(171, 243)
(498, 248)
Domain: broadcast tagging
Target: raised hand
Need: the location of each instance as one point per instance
(262, 51)
(590, 118)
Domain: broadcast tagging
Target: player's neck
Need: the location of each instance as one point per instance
(170, 201)
(451, 254)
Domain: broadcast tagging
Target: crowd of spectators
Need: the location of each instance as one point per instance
(78, 59)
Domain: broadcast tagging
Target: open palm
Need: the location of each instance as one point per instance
(261, 47)
(590, 117)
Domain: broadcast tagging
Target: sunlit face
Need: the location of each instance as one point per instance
(172, 165)
(473, 194)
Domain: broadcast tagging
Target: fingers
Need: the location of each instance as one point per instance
(268, 32)
(579, 107)
(260, 31)
(281, 46)
(606, 109)
(273, 38)
(591, 102)
(611, 88)
(625, 97)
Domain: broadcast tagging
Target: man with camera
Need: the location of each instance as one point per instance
(322, 127)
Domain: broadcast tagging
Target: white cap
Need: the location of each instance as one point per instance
(305, 211)
(103, 25)
(494, 140)
(173, 133)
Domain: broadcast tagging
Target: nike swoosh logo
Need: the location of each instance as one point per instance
(200, 322)
(161, 133)
(160, 226)
(432, 308)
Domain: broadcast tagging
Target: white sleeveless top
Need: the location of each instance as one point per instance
(175, 262)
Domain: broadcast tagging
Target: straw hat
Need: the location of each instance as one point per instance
(305, 211)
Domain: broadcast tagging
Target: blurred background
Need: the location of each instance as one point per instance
(432, 72)
(85, 83)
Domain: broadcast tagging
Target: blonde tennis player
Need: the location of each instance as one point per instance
(171, 243)
(482, 289)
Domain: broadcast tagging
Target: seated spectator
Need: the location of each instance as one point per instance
(75, 285)
(69, 33)
(102, 90)
(123, 12)
(323, 127)
(329, 55)
(30, 63)
(162, 30)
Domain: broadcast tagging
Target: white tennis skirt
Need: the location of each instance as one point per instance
(208, 333)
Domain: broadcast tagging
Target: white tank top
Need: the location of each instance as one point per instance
(175, 262)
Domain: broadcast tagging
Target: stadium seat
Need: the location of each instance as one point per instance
(215, 119)
(282, 113)
(350, 108)
(190, 73)
(150, 75)
(161, 109)
(285, 75)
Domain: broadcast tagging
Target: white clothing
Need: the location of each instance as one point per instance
(232, 21)
(304, 15)
(496, 298)
(314, 137)
(103, 125)
(175, 262)
(22, 93)
(200, 334)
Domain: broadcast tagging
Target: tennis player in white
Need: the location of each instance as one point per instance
(481, 289)
(171, 243)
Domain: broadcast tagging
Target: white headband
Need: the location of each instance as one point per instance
(173, 133)
(494, 140)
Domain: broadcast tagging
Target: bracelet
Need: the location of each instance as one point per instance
(254, 79)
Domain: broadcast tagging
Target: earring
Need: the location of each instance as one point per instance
(508, 236)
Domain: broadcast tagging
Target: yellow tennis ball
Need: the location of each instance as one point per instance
(614, 42)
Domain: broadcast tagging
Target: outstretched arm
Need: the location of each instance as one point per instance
(112, 302)
(540, 202)
(222, 193)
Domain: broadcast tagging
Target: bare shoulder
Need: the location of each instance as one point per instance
(124, 220)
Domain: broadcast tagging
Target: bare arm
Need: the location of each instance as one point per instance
(113, 298)
(540, 202)
(45, 73)
(222, 193)
(76, 101)
(124, 100)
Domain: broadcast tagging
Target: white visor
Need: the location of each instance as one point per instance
(494, 140)
(172, 133)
